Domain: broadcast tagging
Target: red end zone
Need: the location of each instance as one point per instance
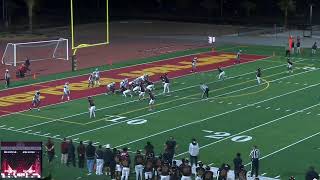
(19, 99)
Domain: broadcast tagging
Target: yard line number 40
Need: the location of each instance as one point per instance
(222, 135)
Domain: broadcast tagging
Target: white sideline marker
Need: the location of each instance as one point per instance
(263, 174)
(267, 107)
(277, 177)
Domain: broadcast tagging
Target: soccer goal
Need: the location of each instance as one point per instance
(16, 53)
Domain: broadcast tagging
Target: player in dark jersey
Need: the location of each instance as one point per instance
(92, 107)
(221, 74)
(157, 166)
(148, 168)
(200, 170)
(125, 163)
(152, 100)
(35, 104)
(166, 83)
(258, 75)
(174, 171)
(91, 80)
(165, 171)
(290, 66)
(208, 174)
(139, 165)
(142, 91)
(118, 168)
(186, 170)
(242, 173)
(223, 172)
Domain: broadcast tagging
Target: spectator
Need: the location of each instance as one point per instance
(312, 174)
(148, 149)
(125, 162)
(90, 153)
(7, 78)
(64, 151)
(113, 163)
(237, 161)
(100, 162)
(194, 152)
(165, 171)
(50, 150)
(148, 167)
(157, 165)
(139, 162)
(117, 159)
(81, 150)
(107, 157)
(170, 148)
(255, 155)
(71, 154)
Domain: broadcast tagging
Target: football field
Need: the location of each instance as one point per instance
(280, 116)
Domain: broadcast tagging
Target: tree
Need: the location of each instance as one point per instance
(249, 6)
(287, 6)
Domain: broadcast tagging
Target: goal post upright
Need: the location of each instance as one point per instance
(76, 47)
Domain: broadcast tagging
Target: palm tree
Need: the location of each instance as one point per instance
(286, 6)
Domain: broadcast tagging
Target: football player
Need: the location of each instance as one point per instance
(118, 168)
(186, 170)
(205, 91)
(35, 101)
(290, 66)
(221, 73)
(142, 91)
(111, 88)
(165, 171)
(91, 80)
(166, 83)
(127, 92)
(152, 100)
(137, 88)
(174, 171)
(139, 162)
(92, 107)
(194, 64)
(148, 167)
(200, 171)
(96, 74)
(66, 92)
(150, 85)
(123, 85)
(238, 57)
(258, 75)
(208, 174)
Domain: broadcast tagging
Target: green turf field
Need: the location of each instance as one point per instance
(280, 116)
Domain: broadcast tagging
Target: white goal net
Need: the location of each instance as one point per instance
(16, 53)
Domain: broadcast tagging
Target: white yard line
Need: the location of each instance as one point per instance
(288, 146)
(208, 118)
(253, 128)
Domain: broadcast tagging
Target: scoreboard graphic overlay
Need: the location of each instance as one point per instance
(21, 159)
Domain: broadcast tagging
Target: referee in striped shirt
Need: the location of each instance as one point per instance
(255, 155)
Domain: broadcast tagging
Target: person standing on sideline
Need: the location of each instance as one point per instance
(7, 78)
(205, 91)
(92, 107)
(312, 174)
(237, 161)
(298, 45)
(148, 149)
(50, 150)
(107, 157)
(170, 148)
(138, 162)
(255, 155)
(71, 154)
(238, 57)
(194, 152)
(314, 48)
(81, 150)
(100, 161)
(64, 151)
(90, 153)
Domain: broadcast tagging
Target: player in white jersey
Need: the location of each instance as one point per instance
(92, 107)
(124, 84)
(96, 74)
(66, 91)
(35, 104)
(194, 64)
(111, 88)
